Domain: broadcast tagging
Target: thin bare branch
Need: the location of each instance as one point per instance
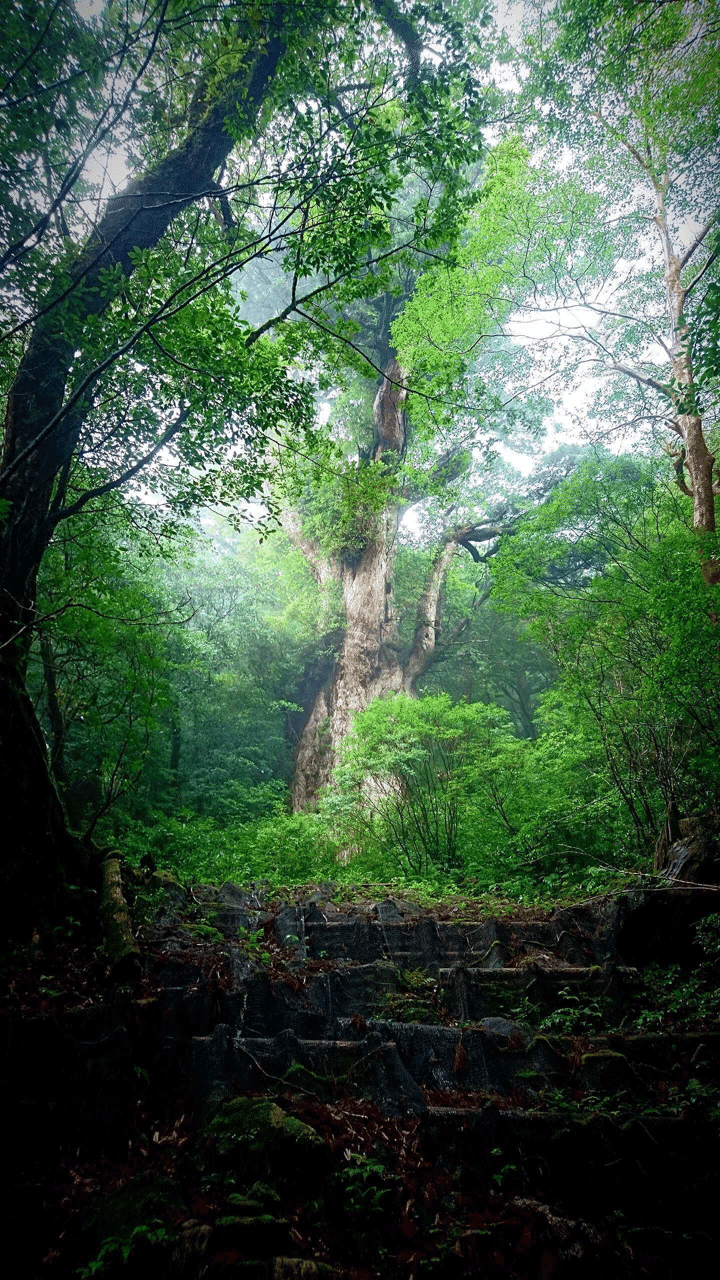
(697, 242)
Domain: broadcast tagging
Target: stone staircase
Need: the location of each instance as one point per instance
(314, 1088)
(402, 1006)
(574, 1142)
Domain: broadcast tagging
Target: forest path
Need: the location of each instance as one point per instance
(304, 1086)
(551, 1133)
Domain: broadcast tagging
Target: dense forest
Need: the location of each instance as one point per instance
(360, 638)
(358, 478)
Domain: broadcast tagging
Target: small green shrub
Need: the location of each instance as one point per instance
(678, 996)
(122, 1250)
(283, 849)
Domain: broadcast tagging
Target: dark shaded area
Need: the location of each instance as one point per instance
(305, 1087)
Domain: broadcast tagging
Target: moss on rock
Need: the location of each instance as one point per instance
(300, 1269)
(256, 1138)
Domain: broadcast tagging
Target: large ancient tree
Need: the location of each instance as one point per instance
(370, 659)
(247, 130)
(419, 441)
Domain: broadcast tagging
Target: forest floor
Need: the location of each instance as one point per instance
(302, 1085)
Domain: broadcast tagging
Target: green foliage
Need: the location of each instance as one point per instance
(178, 737)
(416, 998)
(235, 666)
(206, 932)
(459, 301)
(493, 660)
(608, 575)
(253, 944)
(680, 996)
(365, 1187)
(140, 83)
(442, 792)
(705, 347)
(286, 849)
(576, 1013)
(365, 1182)
(346, 510)
(162, 682)
(123, 1250)
(630, 92)
(398, 788)
(97, 667)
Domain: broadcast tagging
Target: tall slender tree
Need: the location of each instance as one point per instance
(631, 90)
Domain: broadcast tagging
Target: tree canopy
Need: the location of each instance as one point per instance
(355, 268)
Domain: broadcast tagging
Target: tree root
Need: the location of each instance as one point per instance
(121, 949)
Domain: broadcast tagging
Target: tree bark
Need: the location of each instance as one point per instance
(56, 720)
(371, 662)
(40, 853)
(121, 949)
(688, 424)
(368, 664)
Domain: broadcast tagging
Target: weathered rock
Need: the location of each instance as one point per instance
(257, 1139)
(606, 1071)
(175, 894)
(689, 849)
(380, 1074)
(657, 926)
(289, 930)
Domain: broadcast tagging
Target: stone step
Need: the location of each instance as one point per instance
(417, 940)
(470, 994)
(637, 928)
(263, 1003)
(398, 1065)
(429, 945)
(259, 1002)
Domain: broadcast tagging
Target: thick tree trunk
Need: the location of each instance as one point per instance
(39, 852)
(367, 666)
(370, 662)
(700, 463)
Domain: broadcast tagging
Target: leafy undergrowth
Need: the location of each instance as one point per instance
(445, 899)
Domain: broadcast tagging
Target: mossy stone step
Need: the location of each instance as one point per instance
(471, 994)
(393, 1063)
(263, 1003)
